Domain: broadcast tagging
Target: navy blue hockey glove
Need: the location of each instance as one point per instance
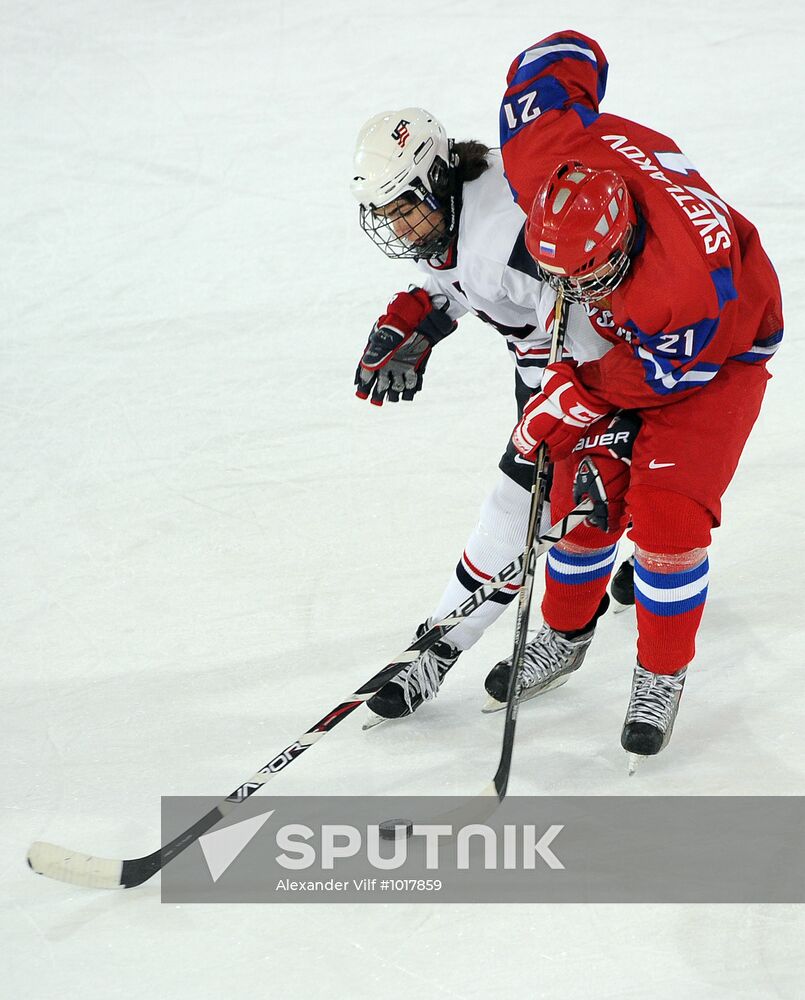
(602, 475)
(396, 355)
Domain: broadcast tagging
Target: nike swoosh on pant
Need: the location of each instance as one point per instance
(654, 464)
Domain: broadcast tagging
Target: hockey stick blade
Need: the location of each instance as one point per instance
(93, 872)
(79, 869)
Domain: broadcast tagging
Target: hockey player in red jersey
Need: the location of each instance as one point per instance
(680, 284)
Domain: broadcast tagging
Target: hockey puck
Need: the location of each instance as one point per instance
(392, 829)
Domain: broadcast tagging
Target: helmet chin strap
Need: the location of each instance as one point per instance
(451, 212)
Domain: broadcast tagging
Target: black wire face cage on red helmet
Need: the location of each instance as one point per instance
(595, 284)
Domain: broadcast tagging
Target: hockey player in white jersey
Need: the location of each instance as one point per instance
(447, 206)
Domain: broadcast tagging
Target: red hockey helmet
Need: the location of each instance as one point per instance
(580, 230)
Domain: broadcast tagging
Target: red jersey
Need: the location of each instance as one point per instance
(700, 289)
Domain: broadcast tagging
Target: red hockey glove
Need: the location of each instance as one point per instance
(558, 414)
(394, 361)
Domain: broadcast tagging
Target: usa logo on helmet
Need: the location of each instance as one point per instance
(401, 133)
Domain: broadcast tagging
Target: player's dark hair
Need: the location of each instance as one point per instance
(472, 159)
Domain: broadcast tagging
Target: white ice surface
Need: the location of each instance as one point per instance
(208, 541)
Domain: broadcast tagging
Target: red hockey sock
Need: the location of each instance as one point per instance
(670, 592)
(671, 535)
(575, 581)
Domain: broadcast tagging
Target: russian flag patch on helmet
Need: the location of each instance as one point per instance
(547, 249)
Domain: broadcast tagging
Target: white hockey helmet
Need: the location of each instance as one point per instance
(404, 153)
(398, 152)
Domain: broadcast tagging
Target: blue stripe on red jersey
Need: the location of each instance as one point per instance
(587, 115)
(668, 358)
(761, 350)
(664, 377)
(555, 48)
(675, 348)
(725, 289)
(537, 59)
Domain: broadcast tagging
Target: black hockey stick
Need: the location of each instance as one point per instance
(480, 808)
(106, 873)
(530, 554)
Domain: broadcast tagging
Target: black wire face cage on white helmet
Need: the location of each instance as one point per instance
(404, 179)
(418, 224)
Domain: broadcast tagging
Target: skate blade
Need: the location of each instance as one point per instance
(373, 721)
(634, 761)
(493, 705)
(618, 608)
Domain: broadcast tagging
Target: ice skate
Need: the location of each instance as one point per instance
(653, 705)
(622, 587)
(418, 682)
(548, 661)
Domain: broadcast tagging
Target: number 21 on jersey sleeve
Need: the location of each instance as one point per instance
(521, 111)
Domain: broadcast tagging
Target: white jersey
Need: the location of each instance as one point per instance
(489, 272)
